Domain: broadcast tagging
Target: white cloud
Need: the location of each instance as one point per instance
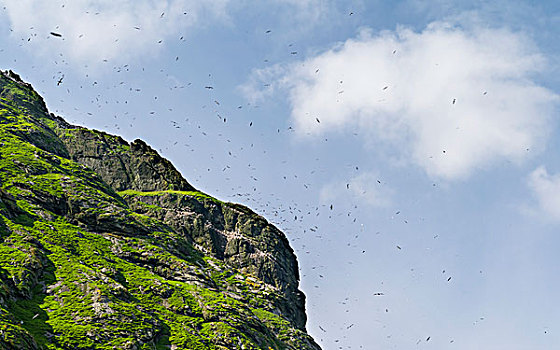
(363, 187)
(309, 11)
(546, 189)
(450, 99)
(105, 29)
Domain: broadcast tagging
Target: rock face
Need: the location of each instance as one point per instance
(104, 245)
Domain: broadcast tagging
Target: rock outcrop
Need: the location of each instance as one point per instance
(104, 245)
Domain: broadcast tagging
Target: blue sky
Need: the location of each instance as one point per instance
(431, 127)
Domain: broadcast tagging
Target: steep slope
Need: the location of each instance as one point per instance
(104, 245)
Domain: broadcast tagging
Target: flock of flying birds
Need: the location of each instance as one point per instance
(297, 219)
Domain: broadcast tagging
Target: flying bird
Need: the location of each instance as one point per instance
(56, 34)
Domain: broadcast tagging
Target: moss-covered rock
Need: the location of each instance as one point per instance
(104, 245)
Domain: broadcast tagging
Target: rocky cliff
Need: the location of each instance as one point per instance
(104, 245)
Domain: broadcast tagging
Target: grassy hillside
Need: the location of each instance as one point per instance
(104, 245)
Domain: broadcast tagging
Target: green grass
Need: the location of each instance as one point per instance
(195, 194)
